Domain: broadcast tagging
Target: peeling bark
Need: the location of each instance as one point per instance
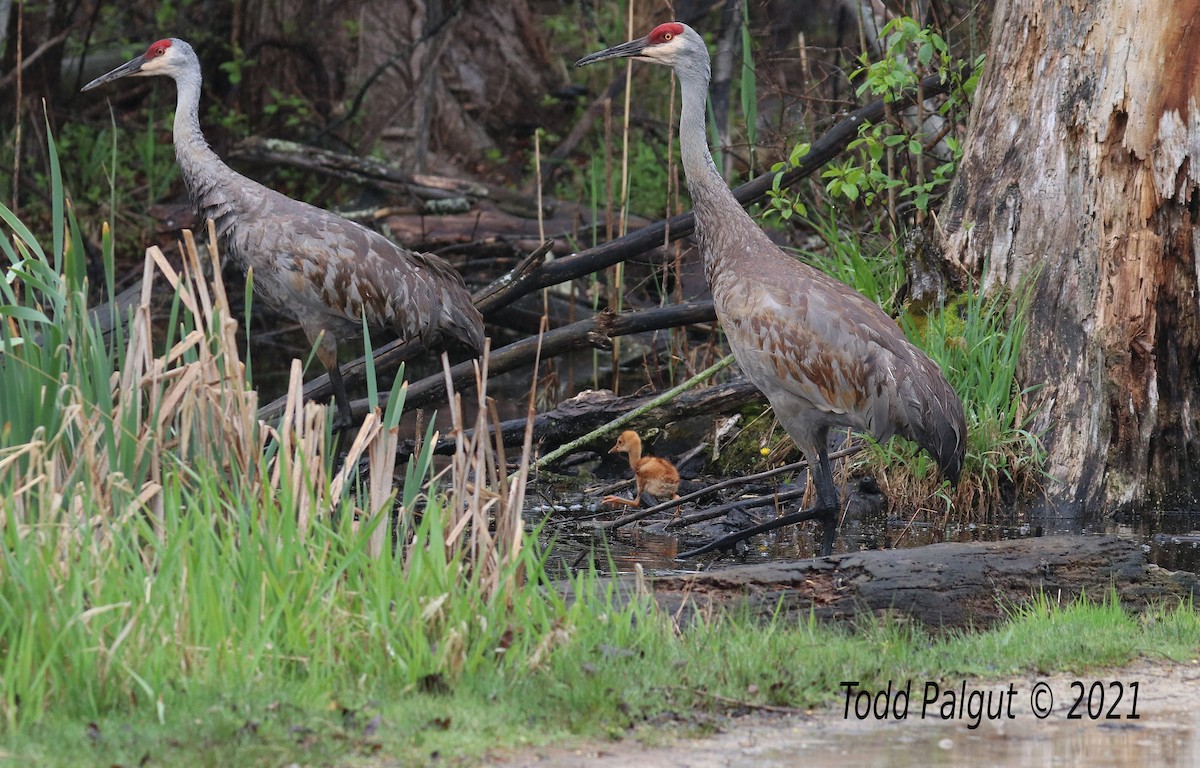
(1081, 171)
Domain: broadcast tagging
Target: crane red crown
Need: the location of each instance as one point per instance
(159, 48)
(664, 33)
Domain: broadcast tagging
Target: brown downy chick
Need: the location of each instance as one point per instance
(653, 475)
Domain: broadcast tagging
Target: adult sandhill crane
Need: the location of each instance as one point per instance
(325, 271)
(821, 352)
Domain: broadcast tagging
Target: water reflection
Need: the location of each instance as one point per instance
(1171, 540)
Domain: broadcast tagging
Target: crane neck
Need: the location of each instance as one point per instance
(215, 189)
(711, 197)
(186, 129)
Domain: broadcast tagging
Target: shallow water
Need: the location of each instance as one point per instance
(1170, 539)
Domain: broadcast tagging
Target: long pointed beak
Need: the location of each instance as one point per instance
(131, 67)
(631, 49)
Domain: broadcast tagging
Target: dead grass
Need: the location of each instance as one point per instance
(191, 404)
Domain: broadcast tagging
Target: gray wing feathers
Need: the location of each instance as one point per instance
(329, 271)
(935, 419)
(839, 358)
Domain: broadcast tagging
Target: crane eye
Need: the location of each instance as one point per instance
(667, 36)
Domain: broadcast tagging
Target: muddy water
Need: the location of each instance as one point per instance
(1166, 733)
(1171, 540)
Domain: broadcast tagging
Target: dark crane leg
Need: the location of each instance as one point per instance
(326, 345)
(826, 510)
(344, 419)
(828, 505)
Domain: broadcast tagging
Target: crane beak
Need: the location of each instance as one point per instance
(131, 67)
(632, 49)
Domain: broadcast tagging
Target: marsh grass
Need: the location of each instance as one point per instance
(613, 675)
(158, 538)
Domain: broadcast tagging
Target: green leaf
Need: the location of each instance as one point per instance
(29, 314)
(925, 54)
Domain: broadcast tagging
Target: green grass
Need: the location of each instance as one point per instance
(614, 673)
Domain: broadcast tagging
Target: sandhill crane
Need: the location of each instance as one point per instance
(821, 352)
(651, 474)
(325, 271)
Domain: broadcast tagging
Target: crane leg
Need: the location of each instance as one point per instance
(326, 345)
(826, 510)
(828, 505)
(345, 419)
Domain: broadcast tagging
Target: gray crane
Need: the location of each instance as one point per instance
(821, 352)
(323, 270)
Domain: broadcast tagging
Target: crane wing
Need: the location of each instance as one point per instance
(336, 271)
(819, 350)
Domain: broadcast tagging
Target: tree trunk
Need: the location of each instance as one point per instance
(1080, 173)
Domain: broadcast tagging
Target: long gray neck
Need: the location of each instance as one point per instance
(714, 203)
(212, 185)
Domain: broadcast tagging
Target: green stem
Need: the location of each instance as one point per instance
(621, 421)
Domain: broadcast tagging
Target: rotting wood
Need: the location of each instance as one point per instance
(721, 510)
(385, 175)
(950, 586)
(495, 213)
(1080, 171)
(595, 332)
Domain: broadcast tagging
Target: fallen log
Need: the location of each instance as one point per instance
(590, 410)
(950, 586)
(596, 332)
(388, 176)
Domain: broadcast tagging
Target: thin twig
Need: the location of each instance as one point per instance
(625, 419)
(729, 506)
(730, 483)
(28, 61)
(725, 542)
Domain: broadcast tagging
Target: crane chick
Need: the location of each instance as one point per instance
(325, 271)
(821, 352)
(651, 474)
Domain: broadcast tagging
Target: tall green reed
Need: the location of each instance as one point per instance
(155, 536)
